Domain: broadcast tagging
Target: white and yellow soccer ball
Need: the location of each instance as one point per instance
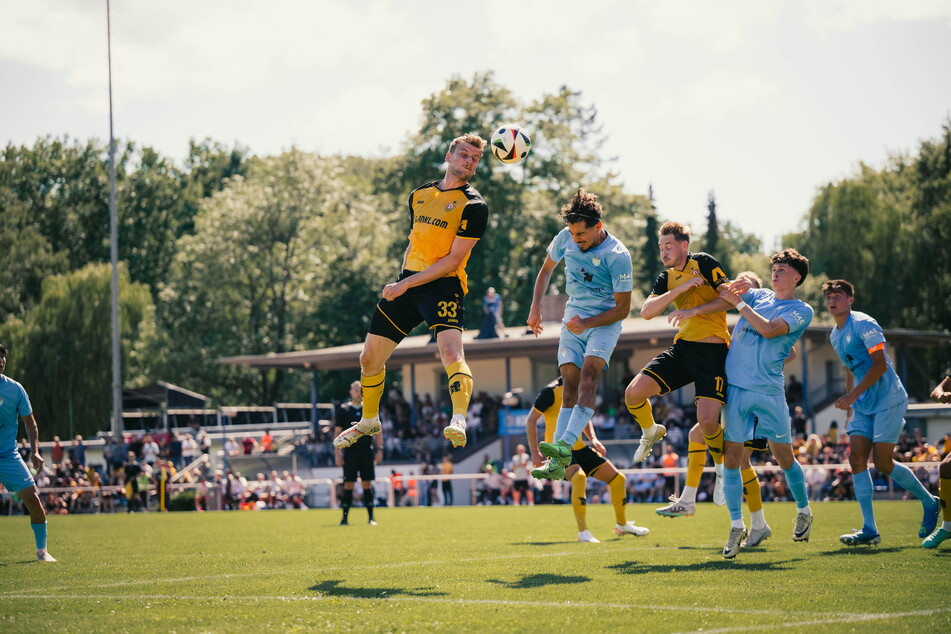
(510, 144)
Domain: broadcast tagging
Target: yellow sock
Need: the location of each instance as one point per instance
(696, 459)
(618, 489)
(460, 386)
(715, 445)
(754, 496)
(578, 500)
(944, 494)
(643, 414)
(371, 387)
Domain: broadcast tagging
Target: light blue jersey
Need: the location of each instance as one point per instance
(754, 362)
(592, 276)
(13, 403)
(852, 343)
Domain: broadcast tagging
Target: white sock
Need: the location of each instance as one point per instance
(689, 495)
(737, 524)
(946, 526)
(757, 519)
(806, 510)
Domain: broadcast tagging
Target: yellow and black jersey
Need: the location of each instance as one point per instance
(548, 402)
(701, 326)
(439, 217)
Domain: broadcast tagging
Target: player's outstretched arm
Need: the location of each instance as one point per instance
(656, 304)
(620, 310)
(440, 268)
(542, 280)
(683, 314)
(942, 392)
(531, 433)
(769, 329)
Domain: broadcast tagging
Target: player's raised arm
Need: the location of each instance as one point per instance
(542, 280)
(656, 304)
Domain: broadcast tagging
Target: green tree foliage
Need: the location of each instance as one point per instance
(62, 187)
(711, 239)
(930, 243)
(26, 257)
(62, 350)
(524, 200)
(887, 231)
(858, 229)
(278, 261)
(651, 264)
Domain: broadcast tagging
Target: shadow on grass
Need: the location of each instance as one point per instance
(332, 588)
(537, 581)
(640, 568)
(558, 543)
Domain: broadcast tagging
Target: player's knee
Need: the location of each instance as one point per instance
(882, 464)
(695, 434)
(634, 394)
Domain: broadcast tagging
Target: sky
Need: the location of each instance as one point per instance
(761, 101)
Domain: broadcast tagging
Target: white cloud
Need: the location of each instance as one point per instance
(721, 26)
(717, 95)
(826, 16)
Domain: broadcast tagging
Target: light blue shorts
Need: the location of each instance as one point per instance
(768, 412)
(14, 474)
(593, 342)
(882, 426)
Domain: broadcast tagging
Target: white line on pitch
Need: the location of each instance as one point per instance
(401, 564)
(843, 618)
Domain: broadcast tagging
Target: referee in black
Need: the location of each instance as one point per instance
(360, 458)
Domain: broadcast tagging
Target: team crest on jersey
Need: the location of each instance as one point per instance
(596, 261)
(451, 206)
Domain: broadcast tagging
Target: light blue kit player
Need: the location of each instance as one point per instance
(599, 278)
(14, 474)
(878, 402)
(771, 322)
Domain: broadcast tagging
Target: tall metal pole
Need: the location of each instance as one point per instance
(114, 255)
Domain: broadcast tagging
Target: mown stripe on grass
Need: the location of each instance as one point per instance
(831, 620)
(399, 564)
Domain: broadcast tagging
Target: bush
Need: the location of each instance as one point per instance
(184, 501)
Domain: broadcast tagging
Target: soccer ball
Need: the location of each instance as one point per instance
(510, 144)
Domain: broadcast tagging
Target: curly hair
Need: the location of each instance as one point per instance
(583, 207)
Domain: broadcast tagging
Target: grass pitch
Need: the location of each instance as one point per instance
(469, 569)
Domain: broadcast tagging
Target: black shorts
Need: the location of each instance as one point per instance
(685, 362)
(358, 463)
(520, 485)
(587, 458)
(439, 303)
(757, 444)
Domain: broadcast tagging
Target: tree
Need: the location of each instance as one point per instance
(62, 350)
(651, 265)
(26, 257)
(278, 262)
(524, 200)
(712, 237)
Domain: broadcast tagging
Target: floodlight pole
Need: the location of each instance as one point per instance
(114, 255)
